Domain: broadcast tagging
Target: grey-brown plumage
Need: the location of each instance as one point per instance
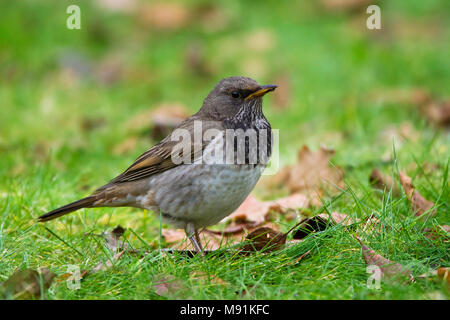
(197, 194)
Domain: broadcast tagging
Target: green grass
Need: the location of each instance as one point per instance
(336, 67)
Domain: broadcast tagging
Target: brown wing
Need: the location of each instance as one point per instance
(156, 160)
(159, 158)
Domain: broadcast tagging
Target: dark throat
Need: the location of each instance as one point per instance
(250, 116)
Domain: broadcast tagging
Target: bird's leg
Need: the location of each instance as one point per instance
(193, 236)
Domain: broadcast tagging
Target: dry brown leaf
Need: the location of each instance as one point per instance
(399, 134)
(444, 274)
(437, 112)
(26, 284)
(289, 203)
(162, 119)
(320, 222)
(311, 174)
(112, 239)
(117, 5)
(110, 70)
(109, 263)
(89, 124)
(125, 146)
(260, 40)
(196, 59)
(396, 96)
(167, 16)
(254, 66)
(235, 228)
(370, 224)
(66, 276)
(116, 245)
(166, 117)
(251, 210)
(176, 239)
(388, 268)
(302, 256)
(205, 277)
(339, 218)
(436, 232)
(265, 239)
(254, 211)
(212, 17)
(419, 204)
(383, 182)
(282, 95)
(165, 285)
(173, 235)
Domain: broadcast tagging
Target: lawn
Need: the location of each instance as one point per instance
(74, 114)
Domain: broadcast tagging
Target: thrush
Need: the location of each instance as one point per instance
(196, 182)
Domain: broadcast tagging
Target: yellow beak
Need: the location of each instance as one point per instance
(262, 91)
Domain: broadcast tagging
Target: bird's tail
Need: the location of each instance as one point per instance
(68, 208)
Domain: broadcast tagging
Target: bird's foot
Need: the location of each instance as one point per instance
(193, 236)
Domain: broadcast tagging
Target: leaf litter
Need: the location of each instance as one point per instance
(27, 284)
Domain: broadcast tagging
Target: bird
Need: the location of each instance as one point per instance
(195, 183)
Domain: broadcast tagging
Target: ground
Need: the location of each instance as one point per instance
(70, 99)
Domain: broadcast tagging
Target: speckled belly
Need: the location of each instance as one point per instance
(200, 193)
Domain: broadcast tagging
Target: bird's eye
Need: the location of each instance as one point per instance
(235, 94)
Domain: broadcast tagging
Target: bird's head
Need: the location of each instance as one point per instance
(235, 97)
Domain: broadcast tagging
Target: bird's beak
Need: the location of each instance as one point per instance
(261, 91)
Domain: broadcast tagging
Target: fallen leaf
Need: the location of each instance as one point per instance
(254, 67)
(260, 40)
(115, 245)
(125, 146)
(380, 181)
(26, 284)
(302, 256)
(167, 16)
(264, 238)
(320, 222)
(399, 134)
(205, 277)
(173, 235)
(388, 268)
(251, 210)
(166, 117)
(66, 276)
(109, 263)
(289, 203)
(196, 60)
(165, 285)
(311, 174)
(89, 124)
(437, 112)
(314, 224)
(254, 212)
(176, 239)
(212, 17)
(117, 5)
(339, 218)
(419, 204)
(110, 70)
(436, 232)
(282, 95)
(113, 241)
(444, 274)
(370, 223)
(395, 96)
